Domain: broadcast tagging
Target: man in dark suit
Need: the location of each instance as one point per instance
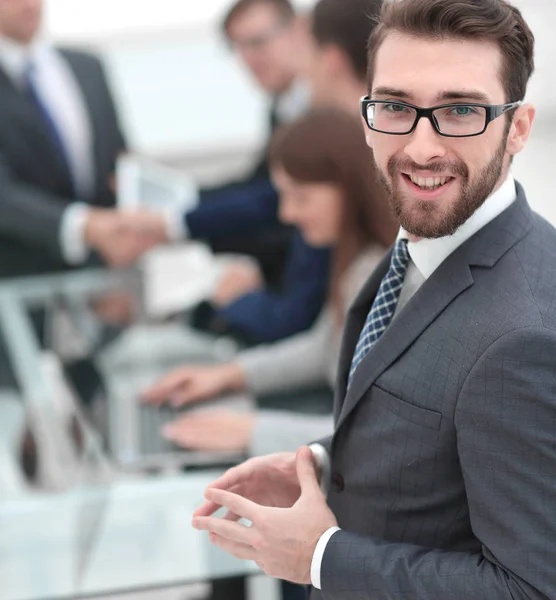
(59, 139)
(441, 472)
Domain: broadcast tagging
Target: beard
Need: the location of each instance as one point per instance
(422, 218)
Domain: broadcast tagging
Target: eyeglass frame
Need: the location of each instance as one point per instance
(492, 112)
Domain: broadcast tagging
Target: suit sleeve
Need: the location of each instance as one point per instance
(29, 213)
(506, 438)
(266, 317)
(233, 209)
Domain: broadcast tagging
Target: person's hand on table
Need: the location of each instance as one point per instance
(216, 431)
(280, 495)
(195, 383)
(240, 277)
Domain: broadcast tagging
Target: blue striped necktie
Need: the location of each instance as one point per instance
(384, 306)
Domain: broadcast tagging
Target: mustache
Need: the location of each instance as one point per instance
(395, 165)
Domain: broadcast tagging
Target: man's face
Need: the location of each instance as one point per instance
(266, 43)
(20, 19)
(428, 73)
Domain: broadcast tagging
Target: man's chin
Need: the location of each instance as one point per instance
(427, 224)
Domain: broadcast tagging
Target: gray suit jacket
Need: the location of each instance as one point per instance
(444, 455)
(35, 186)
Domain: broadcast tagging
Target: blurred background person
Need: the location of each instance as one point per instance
(60, 136)
(332, 59)
(241, 217)
(337, 64)
(329, 190)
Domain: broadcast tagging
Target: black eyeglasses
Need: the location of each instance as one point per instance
(449, 120)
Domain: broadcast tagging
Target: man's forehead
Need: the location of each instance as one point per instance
(426, 70)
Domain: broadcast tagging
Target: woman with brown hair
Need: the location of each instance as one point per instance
(326, 179)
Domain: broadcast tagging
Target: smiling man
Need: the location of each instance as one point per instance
(441, 473)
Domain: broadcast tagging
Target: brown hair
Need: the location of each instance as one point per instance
(284, 8)
(348, 25)
(496, 21)
(328, 146)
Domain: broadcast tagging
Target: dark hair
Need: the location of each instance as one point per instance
(328, 146)
(496, 21)
(348, 25)
(284, 8)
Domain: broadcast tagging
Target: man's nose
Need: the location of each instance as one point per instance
(425, 144)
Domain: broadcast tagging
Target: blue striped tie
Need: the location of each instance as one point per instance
(384, 306)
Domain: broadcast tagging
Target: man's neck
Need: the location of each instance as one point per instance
(15, 42)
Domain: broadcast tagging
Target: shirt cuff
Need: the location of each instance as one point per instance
(176, 226)
(322, 459)
(72, 233)
(319, 555)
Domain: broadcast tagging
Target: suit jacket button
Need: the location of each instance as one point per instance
(337, 482)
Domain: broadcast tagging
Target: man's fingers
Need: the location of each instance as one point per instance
(226, 529)
(241, 551)
(231, 478)
(208, 508)
(240, 506)
(306, 473)
(231, 516)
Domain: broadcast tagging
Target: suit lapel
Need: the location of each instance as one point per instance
(355, 320)
(89, 90)
(452, 278)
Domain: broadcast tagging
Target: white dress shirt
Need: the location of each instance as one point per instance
(426, 256)
(59, 91)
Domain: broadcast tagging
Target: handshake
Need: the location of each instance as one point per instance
(121, 237)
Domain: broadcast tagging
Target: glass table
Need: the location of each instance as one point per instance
(98, 531)
(92, 542)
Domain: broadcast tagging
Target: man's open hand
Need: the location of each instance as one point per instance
(281, 540)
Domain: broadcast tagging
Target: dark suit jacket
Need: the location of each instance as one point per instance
(444, 454)
(35, 186)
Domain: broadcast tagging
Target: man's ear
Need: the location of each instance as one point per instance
(520, 129)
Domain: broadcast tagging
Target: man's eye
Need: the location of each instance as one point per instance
(394, 107)
(462, 111)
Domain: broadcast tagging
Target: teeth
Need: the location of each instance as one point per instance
(428, 182)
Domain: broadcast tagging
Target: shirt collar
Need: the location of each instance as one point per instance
(428, 254)
(15, 57)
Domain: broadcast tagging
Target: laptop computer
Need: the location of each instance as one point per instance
(138, 358)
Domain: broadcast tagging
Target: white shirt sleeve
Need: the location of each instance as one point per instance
(72, 233)
(176, 227)
(318, 555)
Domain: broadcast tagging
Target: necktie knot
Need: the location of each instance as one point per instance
(400, 257)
